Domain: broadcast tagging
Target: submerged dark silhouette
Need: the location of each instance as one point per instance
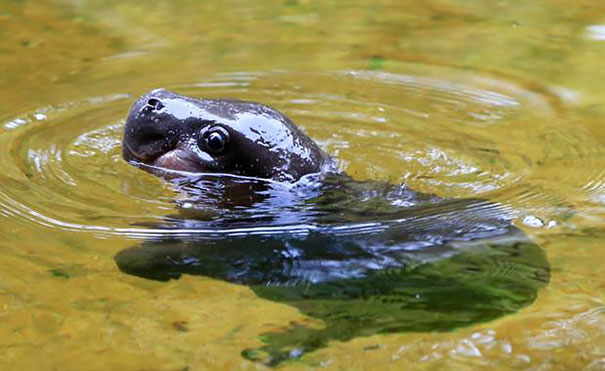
(364, 257)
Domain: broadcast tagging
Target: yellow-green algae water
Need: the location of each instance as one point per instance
(493, 99)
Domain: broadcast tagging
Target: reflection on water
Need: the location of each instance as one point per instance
(596, 32)
(492, 100)
(364, 257)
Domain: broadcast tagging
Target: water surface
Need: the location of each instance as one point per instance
(496, 100)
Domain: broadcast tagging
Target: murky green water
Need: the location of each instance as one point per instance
(498, 100)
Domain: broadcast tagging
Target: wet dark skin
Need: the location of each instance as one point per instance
(261, 205)
(170, 131)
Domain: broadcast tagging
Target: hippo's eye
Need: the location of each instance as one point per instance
(215, 140)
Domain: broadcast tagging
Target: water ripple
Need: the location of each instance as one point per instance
(449, 133)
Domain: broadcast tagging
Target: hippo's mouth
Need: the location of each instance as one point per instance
(176, 160)
(179, 160)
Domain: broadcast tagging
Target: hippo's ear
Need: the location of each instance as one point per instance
(146, 263)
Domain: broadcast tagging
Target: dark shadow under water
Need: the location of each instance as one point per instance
(364, 257)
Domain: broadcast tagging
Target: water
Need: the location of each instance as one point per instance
(500, 101)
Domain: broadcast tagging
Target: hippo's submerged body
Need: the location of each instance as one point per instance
(271, 213)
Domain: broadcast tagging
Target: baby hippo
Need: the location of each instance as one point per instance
(261, 205)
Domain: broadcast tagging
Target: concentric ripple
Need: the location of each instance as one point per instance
(440, 131)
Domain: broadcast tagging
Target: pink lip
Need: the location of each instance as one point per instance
(179, 160)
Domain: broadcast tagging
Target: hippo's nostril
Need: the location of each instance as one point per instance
(154, 104)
